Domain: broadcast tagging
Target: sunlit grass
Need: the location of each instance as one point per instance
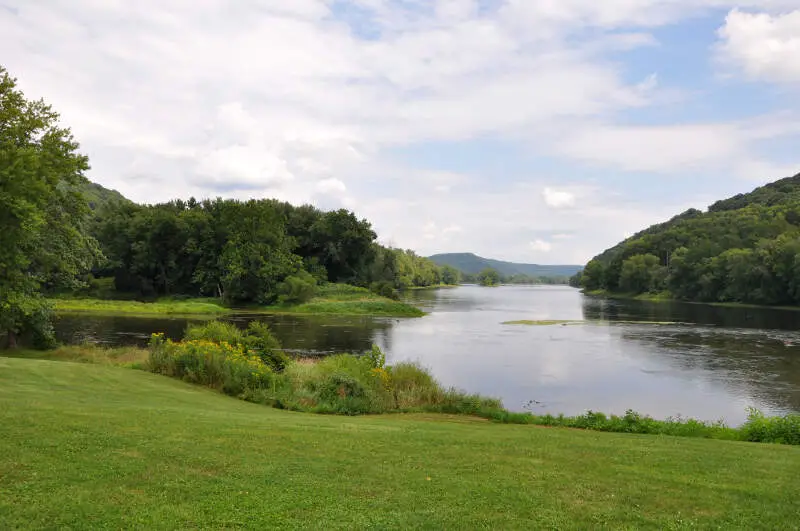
(89, 446)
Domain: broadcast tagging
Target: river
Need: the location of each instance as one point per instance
(662, 359)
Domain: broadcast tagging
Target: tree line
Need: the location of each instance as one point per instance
(743, 249)
(249, 251)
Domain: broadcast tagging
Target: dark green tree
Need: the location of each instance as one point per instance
(489, 277)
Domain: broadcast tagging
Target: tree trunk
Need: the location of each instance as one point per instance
(12, 339)
(164, 279)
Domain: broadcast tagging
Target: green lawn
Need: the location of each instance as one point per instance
(96, 447)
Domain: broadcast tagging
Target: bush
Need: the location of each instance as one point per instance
(376, 357)
(257, 339)
(222, 366)
(781, 430)
(384, 288)
(297, 289)
(214, 331)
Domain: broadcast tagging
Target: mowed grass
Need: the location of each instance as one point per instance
(120, 307)
(97, 447)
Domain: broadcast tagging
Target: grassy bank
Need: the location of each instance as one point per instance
(249, 364)
(667, 297)
(332, 299)
(200, 307)
(652, 297)
(89, 446)
(341, 299)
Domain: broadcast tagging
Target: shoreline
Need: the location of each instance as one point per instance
(666, 298)
(364, 305)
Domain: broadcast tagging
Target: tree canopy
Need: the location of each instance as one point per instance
(43, 215)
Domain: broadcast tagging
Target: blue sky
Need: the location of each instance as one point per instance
(538, 131)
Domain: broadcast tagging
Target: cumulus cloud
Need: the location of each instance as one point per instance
(292, 100)
(541, 246)
(555, 198)
(764, 46)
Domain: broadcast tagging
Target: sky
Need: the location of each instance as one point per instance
(538, 131)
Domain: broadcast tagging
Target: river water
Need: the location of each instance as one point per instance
(663, 359)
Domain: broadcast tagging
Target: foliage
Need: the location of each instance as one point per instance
(259, 252)
(781, 430)
(297, 289)
(745, 250)
(489, 277)
(42, 215)
(256, 340)
(376, 357)
(228, 368)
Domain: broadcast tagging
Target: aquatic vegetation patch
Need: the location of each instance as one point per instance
(526, 322)
(588, 322)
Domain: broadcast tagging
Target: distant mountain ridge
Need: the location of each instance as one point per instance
(473, 264)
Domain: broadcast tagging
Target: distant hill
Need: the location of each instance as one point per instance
(473, 264)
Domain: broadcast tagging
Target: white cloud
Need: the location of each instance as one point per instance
(541, 246)
(555, 198)
(331, 186)
(765, 47)
(294, 99)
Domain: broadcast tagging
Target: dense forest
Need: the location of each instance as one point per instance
(61, 233)
(743, 249)
(255, 251)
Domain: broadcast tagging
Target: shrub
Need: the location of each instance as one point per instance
(384, 288)
(222, 366)
(376, 357)
(214, 331)
(297, 289)
(256, 339)
(781, 430)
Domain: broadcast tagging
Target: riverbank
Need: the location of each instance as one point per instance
(332, 299)
(189, 307)
(667, 297)
(132, 449)
(357, 385)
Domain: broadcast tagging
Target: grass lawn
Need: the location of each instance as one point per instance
(91, 447)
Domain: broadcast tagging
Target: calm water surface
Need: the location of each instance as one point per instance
(699, 361)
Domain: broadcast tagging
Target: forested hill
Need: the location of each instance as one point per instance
(98, 196)
(472, 264)
(742, 249)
